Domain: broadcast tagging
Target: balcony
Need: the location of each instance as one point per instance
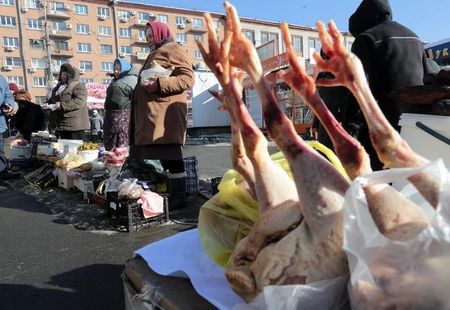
(190, 27)
(140, 40)
(64, 53)
(140, 22)
(62, 34)
(61, 15)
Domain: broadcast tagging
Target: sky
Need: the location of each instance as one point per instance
(429, 18)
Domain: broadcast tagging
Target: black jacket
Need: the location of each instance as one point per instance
(392, 55)
(29, 118)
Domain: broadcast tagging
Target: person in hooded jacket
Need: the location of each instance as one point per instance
(29, 117)
(393, 57)
(117, 104)
(69, 103)
(159, 110)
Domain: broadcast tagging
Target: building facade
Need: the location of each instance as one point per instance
(40, 35)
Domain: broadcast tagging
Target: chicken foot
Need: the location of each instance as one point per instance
(391, 149)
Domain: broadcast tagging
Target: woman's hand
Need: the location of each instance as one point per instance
(151, 85)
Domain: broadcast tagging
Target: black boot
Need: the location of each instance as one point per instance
(177, 191)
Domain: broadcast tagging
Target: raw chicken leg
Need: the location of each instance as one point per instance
(275, 191)
(392, 150)
(402, 220)
(313, 250)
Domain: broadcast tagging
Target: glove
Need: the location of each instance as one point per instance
(52, 107)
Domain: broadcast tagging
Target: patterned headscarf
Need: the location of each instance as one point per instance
(160, 32)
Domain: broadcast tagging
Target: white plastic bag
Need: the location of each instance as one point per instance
(388, 274)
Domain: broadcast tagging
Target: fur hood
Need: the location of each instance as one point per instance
(74, 74)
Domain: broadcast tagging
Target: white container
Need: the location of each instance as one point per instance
(422, 142)
(63, 180)
(88, 155)
(72, 144)
(16, 151)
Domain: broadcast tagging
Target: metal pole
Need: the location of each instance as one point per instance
(48, 47)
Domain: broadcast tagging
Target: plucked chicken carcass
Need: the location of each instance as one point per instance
(313, 250)
(401, 221)
(274, 190)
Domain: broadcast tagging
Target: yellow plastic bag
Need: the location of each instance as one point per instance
(228, 216)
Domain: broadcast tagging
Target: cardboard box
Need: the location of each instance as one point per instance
(63, 180)
(145, 289)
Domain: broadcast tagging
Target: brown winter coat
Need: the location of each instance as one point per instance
(160, 117)
(73, 115)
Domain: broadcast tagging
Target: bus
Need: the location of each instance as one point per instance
(439, 52)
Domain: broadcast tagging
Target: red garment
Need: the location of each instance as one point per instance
(13, 87)
(160, 32)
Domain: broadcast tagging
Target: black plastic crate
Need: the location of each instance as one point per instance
(215, 185)
(129, 213)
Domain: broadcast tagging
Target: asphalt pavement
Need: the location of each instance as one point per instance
(57, 251)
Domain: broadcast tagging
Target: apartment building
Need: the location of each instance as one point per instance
(40, 35)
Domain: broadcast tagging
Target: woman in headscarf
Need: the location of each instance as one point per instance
(117, 104)
(159, 109)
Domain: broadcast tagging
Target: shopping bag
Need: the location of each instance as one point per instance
(387, 274)
(192, 174)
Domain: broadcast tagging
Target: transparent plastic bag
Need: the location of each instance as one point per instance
(387, 274)
(155, 71)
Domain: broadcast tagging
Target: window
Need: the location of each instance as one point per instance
(125, 32)
(250, 34)
(145, 49)
(40, 99)
(57, 6)
(35, 24)
(59, 26)
(103, 12)
(39, 82)
(104, 31)
(216, 24)
(126, 50)
(314, 44)
(124, 14)
(106, 81)
(11, 41)
(62, 45)
(143, 16)
(297, 43)
(84, 47)
(86, 80)
(39, 63)
(16, 79)
(106, 49)
(37, 44)
(13, 61)
(8, 21)
(268, 36)
(86, 65)
(162, 19)
(59, 62)
(198, 37)
(181, 38)
(107, 66)
(197, 23)
(81, 9)
(83, 29)
(198, 54)
(141, 34)
(7, 2)
(32, 4)
(179, 20)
